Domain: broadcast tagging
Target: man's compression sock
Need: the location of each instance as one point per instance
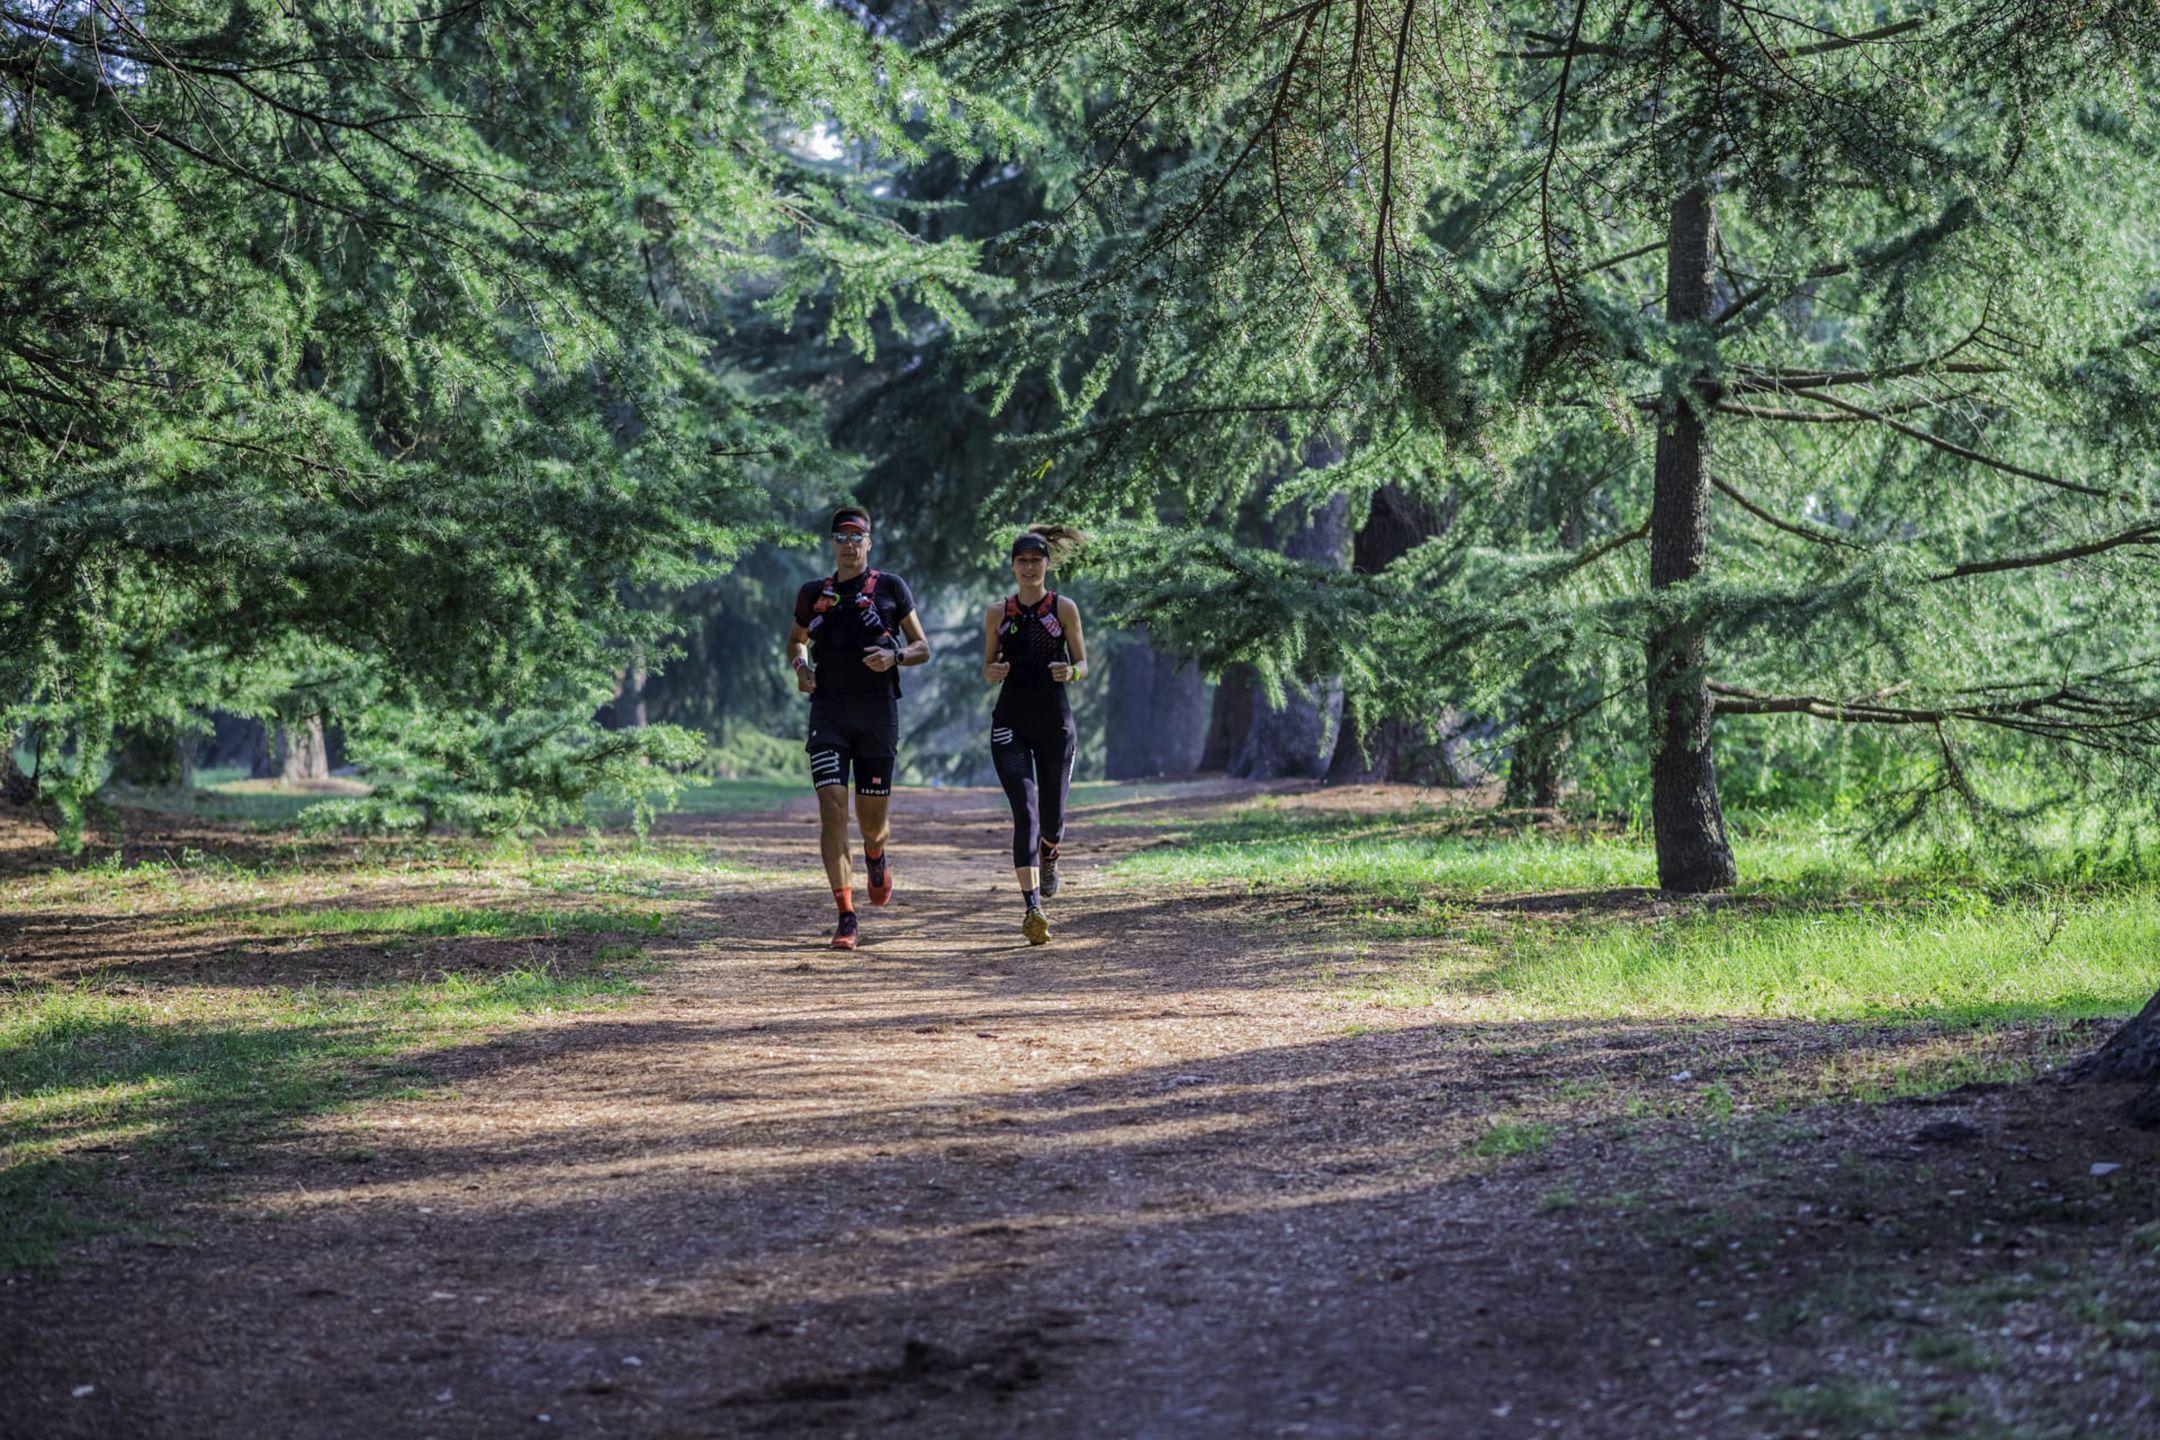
(844, 897)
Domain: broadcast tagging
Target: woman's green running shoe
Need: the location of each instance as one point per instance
(1036, 927)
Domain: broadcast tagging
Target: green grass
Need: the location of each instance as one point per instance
(228, 795)
(1821, 928)
(1457, 850)
(1509, 1139)
(184, 1080)
(417, 922)
(725, 797)
(2008, 960)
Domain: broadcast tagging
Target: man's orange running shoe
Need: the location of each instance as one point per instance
(880, 878)
(843, 935)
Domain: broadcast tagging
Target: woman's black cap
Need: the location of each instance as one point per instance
(1030, 544)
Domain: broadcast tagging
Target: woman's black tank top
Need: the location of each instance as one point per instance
(1030, 639)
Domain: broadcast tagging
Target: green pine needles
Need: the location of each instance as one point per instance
(1769, 361)
(371, 336)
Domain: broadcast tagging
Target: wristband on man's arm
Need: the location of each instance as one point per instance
(800, 662)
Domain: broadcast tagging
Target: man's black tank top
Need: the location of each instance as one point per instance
(1030, 639)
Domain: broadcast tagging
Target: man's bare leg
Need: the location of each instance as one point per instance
(833, 836)
(870, 818)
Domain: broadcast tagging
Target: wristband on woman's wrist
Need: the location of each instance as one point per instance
(800, 663)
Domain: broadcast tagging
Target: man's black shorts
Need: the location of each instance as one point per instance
(861, 733)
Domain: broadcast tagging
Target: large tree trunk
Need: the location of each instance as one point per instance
(292, 753)
(151, 756)
(1692, 851)
(1397, 751)
(16, 788)
(2131, 1055)
(1297, 739)
(1229, 718)
(235, 741)
(627, 710)
(1533, 773)
(1158, 718)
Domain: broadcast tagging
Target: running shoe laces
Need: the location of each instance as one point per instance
(843, 935)
(1049, 871)
(880, 879)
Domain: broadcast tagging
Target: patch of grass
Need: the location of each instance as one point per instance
(188, 1080)
(1848, 1405)
(1821, 930)
(1951, 1348)
(418, 922)
(727, 797)
(1382, 861)
(1845, 964)
(233, 796)
(1509, 1139)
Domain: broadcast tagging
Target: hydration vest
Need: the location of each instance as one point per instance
(866, 610)
(1047, 615)
(1013, 644)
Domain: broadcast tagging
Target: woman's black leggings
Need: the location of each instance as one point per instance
(1034, 763)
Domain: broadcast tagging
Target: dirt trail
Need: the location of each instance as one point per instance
(1140, 1182)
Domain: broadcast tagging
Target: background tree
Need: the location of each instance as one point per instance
(367, 330)
(1852, 295)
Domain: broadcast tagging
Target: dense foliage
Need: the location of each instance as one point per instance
(363, 341)
(1769, 362)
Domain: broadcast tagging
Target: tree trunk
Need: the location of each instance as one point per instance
(1399, 752)
(2131, 1055)
(1405, 752)
(1533, 775)
(150, 757)
(1298, 739)
(1692, 851)
(627, 710)
(235, 741)
(1158, 720)
(16, 788)
(292, 753)
(1229, 718)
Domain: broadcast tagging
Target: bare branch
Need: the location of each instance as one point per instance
(1816, 536)
(1951, 447)
(2146, 534)
(1842, 42)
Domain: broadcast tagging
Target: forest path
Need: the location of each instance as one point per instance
(1144, 1181)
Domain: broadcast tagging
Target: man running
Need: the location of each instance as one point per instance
(1032, 649)
(853, 631)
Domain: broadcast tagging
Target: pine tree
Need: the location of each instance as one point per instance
(369, 333)
(1852, 308)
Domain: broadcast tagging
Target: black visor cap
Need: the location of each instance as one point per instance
(1030, 544)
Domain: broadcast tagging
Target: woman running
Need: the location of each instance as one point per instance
(1032, 647)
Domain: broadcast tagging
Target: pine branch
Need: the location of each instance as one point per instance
(1951, 447)
(1592, 556)
(2063, 714)
(2146, 534)
(1816, 417)
(1762, 377)
(1843, 42)
(1789, 528)
(1552, 153)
